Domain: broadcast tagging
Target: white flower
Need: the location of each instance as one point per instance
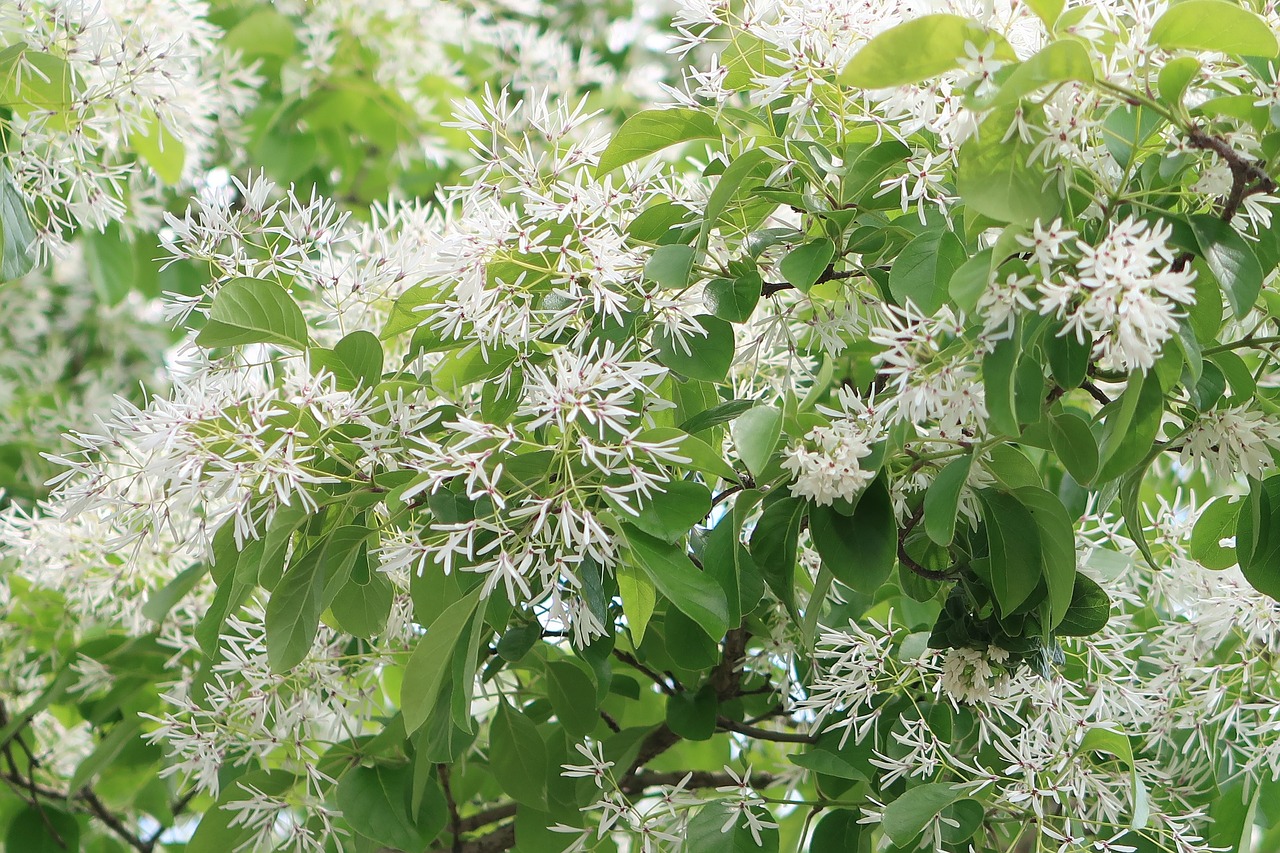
(1046, 243)
(1232, 442)
(1126, 295)
(596, 768)
(999, 305)
(967, 675)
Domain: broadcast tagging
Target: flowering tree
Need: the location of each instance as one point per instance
(797, 425)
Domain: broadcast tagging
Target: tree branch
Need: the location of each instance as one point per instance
(763, 734)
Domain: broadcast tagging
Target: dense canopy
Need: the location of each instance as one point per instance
(724, 425)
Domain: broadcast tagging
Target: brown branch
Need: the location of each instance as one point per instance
(486, 817)
(1248, 177)
(763, 734)
(633, 662)
(697, 779)
(1095, 392)
(829, 274)
(455, 821)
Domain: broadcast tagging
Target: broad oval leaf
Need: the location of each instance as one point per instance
(696, 594)
(651, 131)
(917, 50)
(1216, 25)
(706, 357)
(248, 311)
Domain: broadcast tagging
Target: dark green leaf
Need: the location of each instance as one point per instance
(999, 381)
(804, 265)
(162, 601)
(707, 357)
(704, 834)
(942, 500)
(29, 831)
(1089, 611)
(733, 299)
(923, 270)
(294, 608)
(1075, 445)
(716, 415)
(375, 801)
(1131, 427)
(669, 516)
(774, 544)
(1057, 549)
(906, 817)
(1013, 568)
(859, 550)
(518, 757)
(692, 715)
(430, 663)
(1258, 536)
(573, 697)
(1232, 261)
(698, 596)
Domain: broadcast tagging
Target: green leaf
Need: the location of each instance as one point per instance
(429, 665)
(1057, 541)
(573, 697)
(263, 33)
(994, 178)
(999, 375)
(162, 600)
(1176, 76)
(839, 830)
(248, 311)
(29, 831)
(726, 558)
(1231, 259)
(375, 801)
(707, 357)
(1131, 428)
(295, 605)
(104, 755)
(518, 757)
(1075, 445)
(1113, 744)
(716, 415)
(639, 597)
(942, 500)
(701, 456)
(361, 352)
(704, 834)
(1013, 568)
(774, 544)
(671, 266)
(733, 299)
(361, 608)
(1069, 359)
(1216, 25)
(860, 550)
(805, 264)
(1089, 611)
(1058, 62)
(917, 50)
(692, 714)
(1258, 536)
(651, 131)
(669, 516)
(1216, 522)
(458, 369)
(755, 436)
(924, 269)
(731, 180)
(906, 817)
(160, 149)
(32, 80)
(695, 594)
(17, 234)
(1047, 11)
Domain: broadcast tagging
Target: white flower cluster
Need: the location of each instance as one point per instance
(967, 675)
(1126, 295)
(832, 470)
(1232, 441)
